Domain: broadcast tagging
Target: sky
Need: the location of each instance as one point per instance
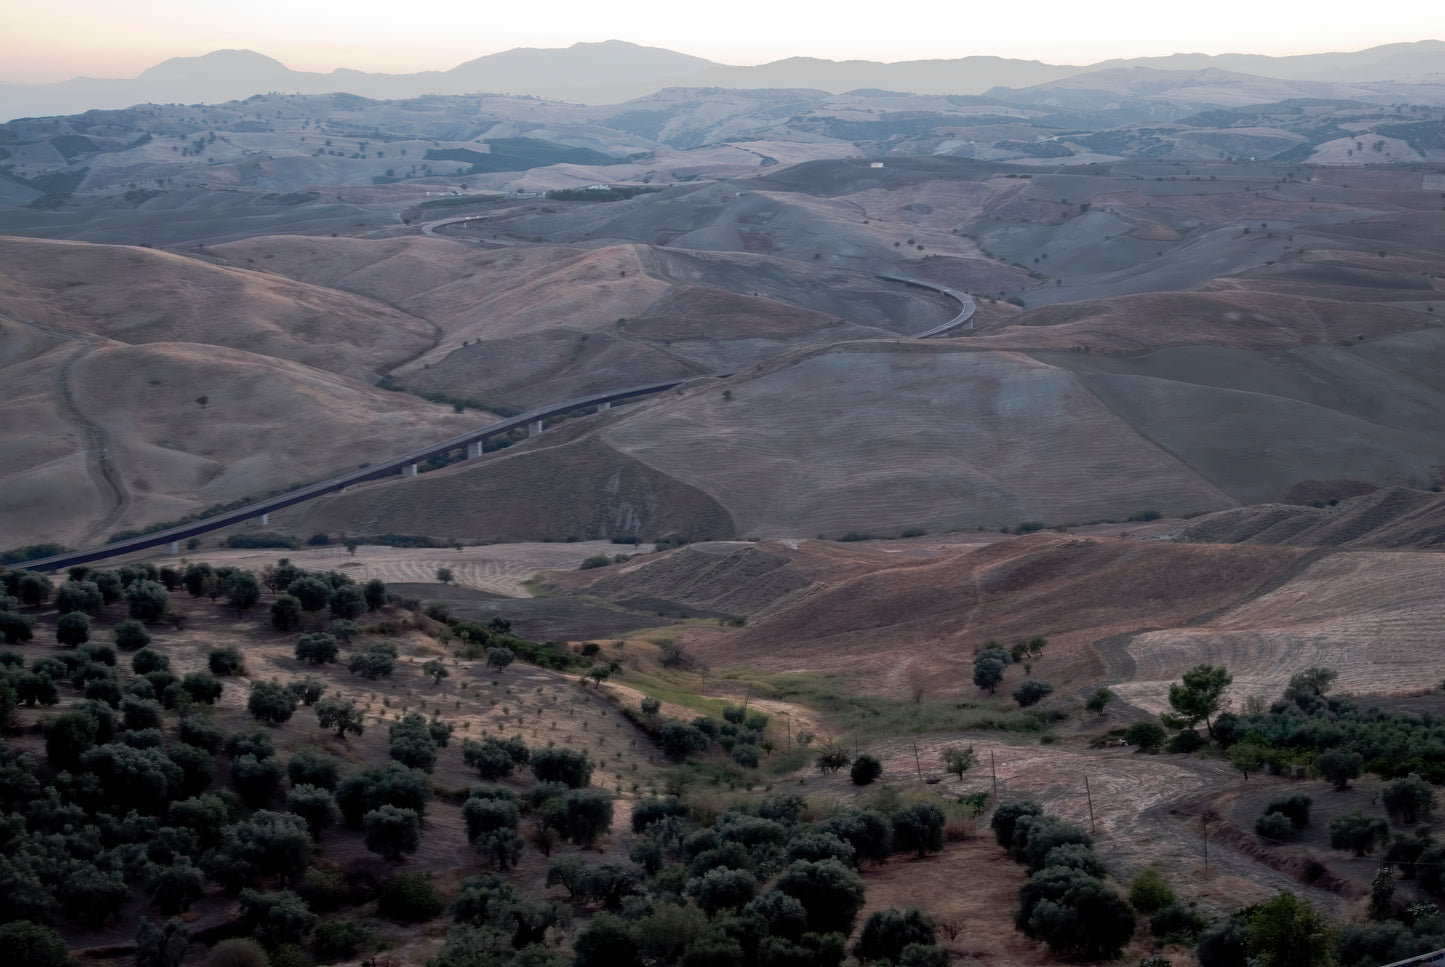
(55, 40)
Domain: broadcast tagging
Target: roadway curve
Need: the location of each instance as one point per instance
(57, 562)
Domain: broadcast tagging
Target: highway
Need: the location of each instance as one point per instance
(58, 562)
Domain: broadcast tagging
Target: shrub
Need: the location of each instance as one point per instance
(887, 932)
(392, 832)
(1032, 692)
(340, 939)
(1357, 832)
(1006, 817)
(226, 661)
(866, 769)
(271, 703)
(1275, 826)
(1146, 737)
(1149, 893)
(130, 635)
(573, 769)
(1410, 800)
(238, 952)
(918, 827)
(1295, 808)
(409, 898)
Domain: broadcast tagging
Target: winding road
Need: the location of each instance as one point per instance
(102, 467)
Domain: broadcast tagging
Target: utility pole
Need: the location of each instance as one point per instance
(916, 763)
(993, 767)
(1090, 796)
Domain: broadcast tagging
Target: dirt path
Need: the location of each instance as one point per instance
(99, 445)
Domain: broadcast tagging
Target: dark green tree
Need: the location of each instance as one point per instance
(348, 602)
(831, 894)
(146, 600)
(344, 717)
(1286, 931)
(392, 832)
(286, 613)
(572, 769)
(73, 629)
(242, 591)
(28, 944)
(81, 596)
(270, 702)
(1032, 691)
(1198, 697)
(887, 932)
(318, 649)
(1357, 832)
(226, 661)
(866, 769)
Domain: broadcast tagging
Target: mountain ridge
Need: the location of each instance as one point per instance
(635, 70)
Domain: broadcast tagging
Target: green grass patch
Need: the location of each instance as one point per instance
(878, 717)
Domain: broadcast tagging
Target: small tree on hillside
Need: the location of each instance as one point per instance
(344, 717)
(959, 759)
(1197, 697)
(73, 629)
(271, 703)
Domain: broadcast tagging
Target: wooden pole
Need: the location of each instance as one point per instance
(993, 767)
(917, 764)
(1090, 796)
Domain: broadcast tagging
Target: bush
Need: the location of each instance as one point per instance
(130, 635)
(340, 939)
(1410, 800)
(226, 661)
(1032, 692)
(866, 769)
(271, 703)
(201, 732)
(596, 560)
(887, 932)
(238, 952)
(831, 894)
(1275, 826)
(1075, 914)
(919, 828)
(29, 944)
(392, 832)
(1146, 737)
(1177, 923)
(1295, 808)
(312, 767)
(1357, 832)
(318, 649)
(572, 769)
(1148, 893)
(1006, 817)
(409, 898)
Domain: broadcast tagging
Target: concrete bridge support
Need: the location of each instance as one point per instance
(265, 519)
(474, 450)
(604, 406)
(535, 429)
(409, 471)
(174, 547)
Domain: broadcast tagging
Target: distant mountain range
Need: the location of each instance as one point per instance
(572, 74)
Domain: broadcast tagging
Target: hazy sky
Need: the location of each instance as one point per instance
(48, 40)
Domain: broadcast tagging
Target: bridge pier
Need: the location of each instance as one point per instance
(474, 450)
(604, 405)
(265, 519)
(535, 429)
(174, 547)
(409, 471)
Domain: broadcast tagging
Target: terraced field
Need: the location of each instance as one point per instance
(1376, 617)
